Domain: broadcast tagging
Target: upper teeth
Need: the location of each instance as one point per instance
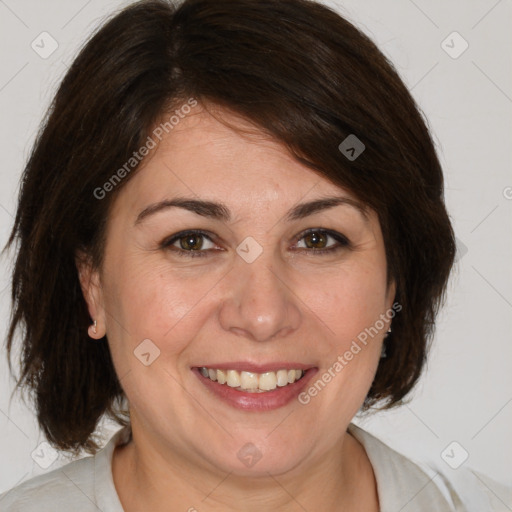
(255, 382)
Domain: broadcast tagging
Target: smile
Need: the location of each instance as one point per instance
(253, 382)
(255, 387)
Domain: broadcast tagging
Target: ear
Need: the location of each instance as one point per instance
(390, 294)
(92, 291)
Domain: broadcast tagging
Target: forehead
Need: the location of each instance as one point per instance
(215, 154)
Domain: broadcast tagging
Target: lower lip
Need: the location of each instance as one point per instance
(266, 401)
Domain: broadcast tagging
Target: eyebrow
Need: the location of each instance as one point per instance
(219, 211)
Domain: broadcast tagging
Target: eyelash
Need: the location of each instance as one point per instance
(343, 242)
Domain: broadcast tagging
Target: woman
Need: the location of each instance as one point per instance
(232, 238)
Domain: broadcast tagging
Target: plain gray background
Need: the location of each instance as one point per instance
(466, 393)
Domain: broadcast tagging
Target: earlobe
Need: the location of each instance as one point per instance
(93, 330)
(90, 285)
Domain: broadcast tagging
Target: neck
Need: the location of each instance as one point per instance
(341, 479)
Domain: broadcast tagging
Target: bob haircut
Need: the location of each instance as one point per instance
(300, 73)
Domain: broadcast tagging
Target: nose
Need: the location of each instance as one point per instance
(259, 303)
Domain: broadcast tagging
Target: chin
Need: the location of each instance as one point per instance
(257, 458)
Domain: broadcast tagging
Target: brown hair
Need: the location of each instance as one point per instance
(300, 72)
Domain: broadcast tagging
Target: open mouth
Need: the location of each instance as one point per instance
(252, 387)
(252, 382)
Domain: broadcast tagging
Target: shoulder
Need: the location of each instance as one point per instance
(84, 485)
(70, 487)
(424, 486)
(473, 491)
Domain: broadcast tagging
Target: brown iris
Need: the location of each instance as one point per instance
(191, 242)
(314, 238)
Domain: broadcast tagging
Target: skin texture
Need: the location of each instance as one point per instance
(287, 305)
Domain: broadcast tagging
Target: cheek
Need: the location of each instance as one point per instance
(349, 307)
(150, 301)
(348, 301)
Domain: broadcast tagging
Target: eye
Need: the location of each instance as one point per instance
(189, 243)
(317, 241)
(196, 243)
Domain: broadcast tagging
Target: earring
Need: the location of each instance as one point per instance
(383, 354)
(92, 329)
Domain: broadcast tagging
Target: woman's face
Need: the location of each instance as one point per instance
(254, 292)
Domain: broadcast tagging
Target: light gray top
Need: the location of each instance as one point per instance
(87, 485)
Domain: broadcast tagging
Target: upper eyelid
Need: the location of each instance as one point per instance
(181, 234)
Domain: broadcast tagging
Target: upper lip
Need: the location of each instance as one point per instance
(256, 368)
